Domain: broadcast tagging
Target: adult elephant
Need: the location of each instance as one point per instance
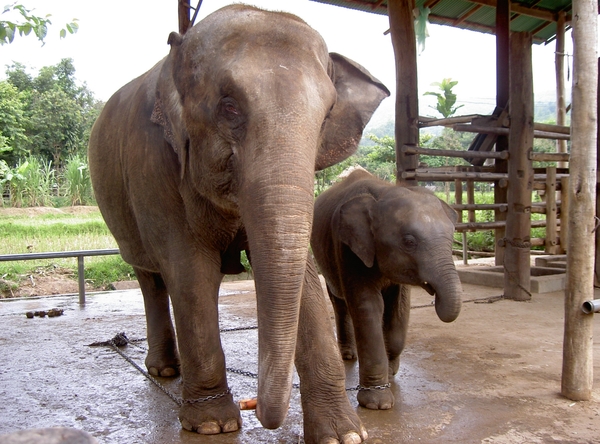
(214, 151)
(371, 240)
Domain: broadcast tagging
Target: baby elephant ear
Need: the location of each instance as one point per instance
(354, 227)
(358, 96)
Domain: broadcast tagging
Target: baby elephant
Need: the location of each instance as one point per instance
(371, 240)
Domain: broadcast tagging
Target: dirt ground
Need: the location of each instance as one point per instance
(492, 376)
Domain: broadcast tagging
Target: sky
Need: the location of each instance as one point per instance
(120, 39)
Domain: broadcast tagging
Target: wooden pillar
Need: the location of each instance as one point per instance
(400, 13)
(564, 212)
(597, 260)
(183, 12)
(458, 199)
(517, 266)
(502, 95)
(577, 371)
(559, 62)
(551, 246)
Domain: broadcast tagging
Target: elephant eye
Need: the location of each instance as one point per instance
(229, 108)
(409, 242)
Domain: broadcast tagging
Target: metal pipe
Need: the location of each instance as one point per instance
(81, 278)
(592, 306)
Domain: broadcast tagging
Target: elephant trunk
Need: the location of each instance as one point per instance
(448, 292)
(277, 209)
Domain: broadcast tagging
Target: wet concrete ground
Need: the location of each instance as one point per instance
(493, 376)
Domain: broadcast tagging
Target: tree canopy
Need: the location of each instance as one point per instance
(49, 115)
(25, 22)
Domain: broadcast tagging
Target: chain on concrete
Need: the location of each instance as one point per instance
(121, 340)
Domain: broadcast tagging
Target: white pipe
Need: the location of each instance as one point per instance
(592, 306)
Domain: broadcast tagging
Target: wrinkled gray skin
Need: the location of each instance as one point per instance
(371, 240)
(211, 152)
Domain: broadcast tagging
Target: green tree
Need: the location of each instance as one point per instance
(446, 99)
(25, 23)
(58, 112)
(56, 129)
(13, 122)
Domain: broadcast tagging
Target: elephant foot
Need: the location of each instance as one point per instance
(375, 398)
(334, 423)
(348, 352)
(393, 366)
(211, 417)
(165, 366)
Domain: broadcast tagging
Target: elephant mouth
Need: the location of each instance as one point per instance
(428, 288)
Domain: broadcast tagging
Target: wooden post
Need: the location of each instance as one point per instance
(502, 95)
(577, 370)
(564, 213)
(183, 12)
(559, 61)
(471, 200)
(551, 246)
(517, 265)
(597, 261)
(402, 27)
(458, 200)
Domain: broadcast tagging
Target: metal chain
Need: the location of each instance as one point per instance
(371, 387)
(121, 340)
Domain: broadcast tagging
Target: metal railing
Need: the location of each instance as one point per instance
(79, 254)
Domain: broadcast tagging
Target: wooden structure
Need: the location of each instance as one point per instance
(517, 24)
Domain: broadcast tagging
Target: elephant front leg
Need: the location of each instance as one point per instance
(328, 415)
(366, 308)
(162, 359)
(344, 328)
(395, 323)
(208, 406)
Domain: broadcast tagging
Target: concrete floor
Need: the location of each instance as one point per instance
(493, 376)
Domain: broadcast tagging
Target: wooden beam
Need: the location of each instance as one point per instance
(578, 363)
(470, 128)
(517, 263)
(542, 14)
(502, 95)
(549, 157)
(454, 153)
(401, 19)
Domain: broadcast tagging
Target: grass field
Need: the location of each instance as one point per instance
(40, 230)
(44, 230)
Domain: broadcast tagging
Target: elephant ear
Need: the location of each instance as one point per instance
(358, 96)
(168, 110)
(354, 227)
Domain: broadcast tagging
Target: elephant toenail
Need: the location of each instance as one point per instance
(231, 426)
(153, 371)
(351, 438)
(186, 425)
(209, 428)
(168, 372)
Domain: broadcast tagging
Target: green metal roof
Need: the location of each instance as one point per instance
(535, 16)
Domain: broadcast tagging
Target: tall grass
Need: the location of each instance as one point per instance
(77, 183)
(34, 182)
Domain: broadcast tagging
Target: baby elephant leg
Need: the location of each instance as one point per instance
(344, 328)
(395, 323)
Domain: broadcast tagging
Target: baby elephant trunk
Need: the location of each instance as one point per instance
(448, 293)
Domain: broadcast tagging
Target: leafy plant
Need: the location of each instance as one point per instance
(446, 99)
(77, 182)
(28, 23)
